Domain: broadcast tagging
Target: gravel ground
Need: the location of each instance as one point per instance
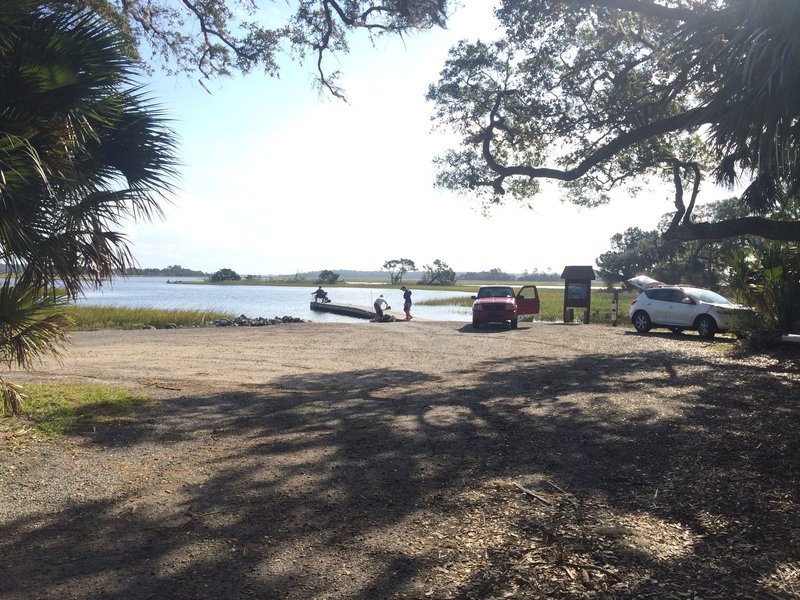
(414, 460)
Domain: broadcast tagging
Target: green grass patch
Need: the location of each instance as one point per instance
(54, 410)
(93, 318)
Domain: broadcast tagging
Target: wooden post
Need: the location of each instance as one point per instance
(614, 304)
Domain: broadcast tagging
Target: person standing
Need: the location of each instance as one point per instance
(406, 302)
(380, 305)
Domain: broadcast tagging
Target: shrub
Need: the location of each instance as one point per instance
(225, 275)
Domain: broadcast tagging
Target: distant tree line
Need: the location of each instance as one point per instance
(490, 275)
(499, 275)
(171, 271)
(393, 269)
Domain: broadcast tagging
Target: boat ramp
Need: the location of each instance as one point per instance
(352, 310)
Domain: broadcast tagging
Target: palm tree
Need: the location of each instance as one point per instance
(82, 148)
(756, 107)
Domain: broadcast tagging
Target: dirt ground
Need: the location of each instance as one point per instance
(414, 460)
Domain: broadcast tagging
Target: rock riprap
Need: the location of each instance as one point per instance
(245, 321)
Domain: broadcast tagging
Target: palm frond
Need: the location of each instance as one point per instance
(763, 195)
(13, 397)
(83, 148)
(30, 327)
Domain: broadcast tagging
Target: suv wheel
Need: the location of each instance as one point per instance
(641, 321)
(706, 327)
(514, 323)
(475, 324)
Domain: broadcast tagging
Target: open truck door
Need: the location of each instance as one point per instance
(528, 300)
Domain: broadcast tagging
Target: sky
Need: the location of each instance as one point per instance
(277, 179)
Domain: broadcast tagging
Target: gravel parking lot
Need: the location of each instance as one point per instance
(414, 460)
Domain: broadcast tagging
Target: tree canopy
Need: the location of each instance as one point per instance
(328, 277)
(599, 94)
(219, 37)
(225, 275)
(398, 267)
(699, 262)
(439, 273)
(82, 148)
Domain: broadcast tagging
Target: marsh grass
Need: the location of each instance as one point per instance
(54, 410)
(552, 305)
(93, 318)
(448, 301)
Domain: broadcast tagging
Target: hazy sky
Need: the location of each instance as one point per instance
(278, 180)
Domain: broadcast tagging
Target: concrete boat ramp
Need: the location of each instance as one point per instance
(353, 310)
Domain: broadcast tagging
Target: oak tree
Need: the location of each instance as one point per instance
(220, 37)
(700, 262)
(398, 267)
(599, 94)
(225, 275)
(328, 277)
(439, 273)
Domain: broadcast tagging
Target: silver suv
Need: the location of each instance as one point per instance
(678, 308)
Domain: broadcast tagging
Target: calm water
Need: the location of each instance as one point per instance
(261, 301)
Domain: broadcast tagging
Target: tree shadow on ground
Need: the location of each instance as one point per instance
(649, 476)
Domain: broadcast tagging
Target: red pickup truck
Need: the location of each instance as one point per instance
(500, 304)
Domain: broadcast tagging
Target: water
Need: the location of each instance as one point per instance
(261, 301)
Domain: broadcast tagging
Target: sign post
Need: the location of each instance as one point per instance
(578, 290)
